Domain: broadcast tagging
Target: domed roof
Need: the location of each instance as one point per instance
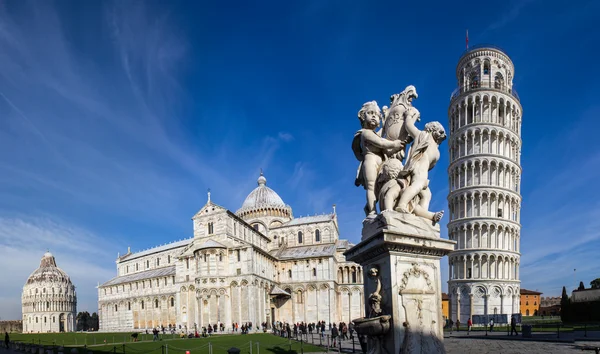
(265, 202)
(262, 196)
(48, 272)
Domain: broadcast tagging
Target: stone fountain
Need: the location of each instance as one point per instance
(401, 245)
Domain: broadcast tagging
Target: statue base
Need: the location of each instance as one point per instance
(405, 223)
(407, 250)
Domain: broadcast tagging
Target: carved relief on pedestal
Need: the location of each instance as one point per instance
(419, 303)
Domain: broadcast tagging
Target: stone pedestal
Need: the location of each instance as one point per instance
(406, 250)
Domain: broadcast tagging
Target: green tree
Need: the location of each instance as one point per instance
(83, 319)
(595, 283)
(94, 322)
(564, 306)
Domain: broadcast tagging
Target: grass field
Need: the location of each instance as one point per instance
(265, 343)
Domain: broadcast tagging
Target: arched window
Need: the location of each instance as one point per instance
(129, 306)
(499, 81)
(137, 267)
(495, 310)
(53, 319)
(147, 264)
(116, 308)
(526, 303)
(44, 319)
(315, 272)
(239, 257)
(157, 262)
(290, 273)
(354, 275)
(172, 302)
(187, 263)
(210, 228)
(527, 313)
(169, 259)
(474, 80)
(299, 236)
(255, 227)
(220, 257)
(142, 304)
(317, 235)
(156, 303)
(486, 67)
(299, 297)
(36, 320)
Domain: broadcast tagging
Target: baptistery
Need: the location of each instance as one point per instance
(49, 300)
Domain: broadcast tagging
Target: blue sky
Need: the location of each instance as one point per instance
(116, 117)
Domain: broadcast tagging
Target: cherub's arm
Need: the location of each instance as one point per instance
(409, 124)
(370, 137)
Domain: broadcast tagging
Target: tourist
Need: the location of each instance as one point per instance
(458, 324)
(6, 339)
(469, 325)
(492, 325)
(134, 337)
(513, 326)
(334, 335)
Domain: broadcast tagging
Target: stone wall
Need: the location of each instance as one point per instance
(15, 326)
(585, 295)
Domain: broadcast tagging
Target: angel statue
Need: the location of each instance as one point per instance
(424, 153)
(371, 150)
(393, 122)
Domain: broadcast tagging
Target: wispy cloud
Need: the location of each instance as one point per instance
(84, 256)
(509, 14)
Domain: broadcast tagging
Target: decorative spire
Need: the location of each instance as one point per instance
(208, 192)
(261, 179)
(334, 208)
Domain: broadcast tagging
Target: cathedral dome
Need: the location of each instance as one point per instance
(48, 272)
(263, 201)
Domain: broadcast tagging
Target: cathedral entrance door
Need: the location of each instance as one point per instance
(61, 322)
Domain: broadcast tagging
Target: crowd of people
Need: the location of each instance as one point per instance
(338, 332)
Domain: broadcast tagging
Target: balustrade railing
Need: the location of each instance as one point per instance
(485, 85)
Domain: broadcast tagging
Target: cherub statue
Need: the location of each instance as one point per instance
(424, 153)
(393, 118)
(371, 149)
(388, 186)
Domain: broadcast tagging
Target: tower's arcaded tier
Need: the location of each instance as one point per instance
(484, 197)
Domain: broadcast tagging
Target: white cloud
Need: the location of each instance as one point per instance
(286, 137)
(80, 253)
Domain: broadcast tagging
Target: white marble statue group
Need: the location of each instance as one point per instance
(390, 174)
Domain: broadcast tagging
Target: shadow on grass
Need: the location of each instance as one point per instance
(280, 350)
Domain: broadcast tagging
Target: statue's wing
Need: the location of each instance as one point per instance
(356, 146)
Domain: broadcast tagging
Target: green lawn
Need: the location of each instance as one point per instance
(265, 343)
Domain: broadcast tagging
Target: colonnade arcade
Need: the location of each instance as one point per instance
(484, 172)
(486, 108)
(486, 140)
(486, 235)
(483, 299)
(349, 274)
(491, 204)
(484, 265)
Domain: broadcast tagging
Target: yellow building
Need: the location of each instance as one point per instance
(530, 302)
(445, 305)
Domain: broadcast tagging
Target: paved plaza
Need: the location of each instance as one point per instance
(456, 345)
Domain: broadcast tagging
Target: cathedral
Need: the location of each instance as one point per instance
(258, 265)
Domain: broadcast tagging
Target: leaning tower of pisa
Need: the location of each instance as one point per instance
(484, 188)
